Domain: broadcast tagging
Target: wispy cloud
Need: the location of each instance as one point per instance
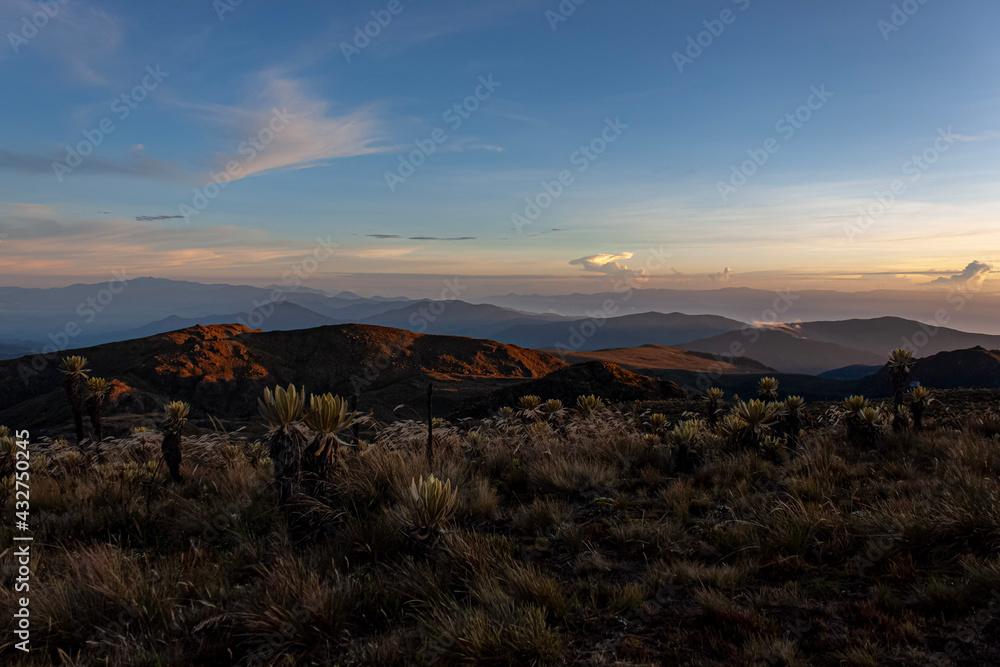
(382, 253)
(421, 238)
(312, 137)
(136, 164)
(982, 136)
(416, 28)
(79, 36)
(40, 244)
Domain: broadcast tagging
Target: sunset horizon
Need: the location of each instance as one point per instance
(512, 333)
(189, 165)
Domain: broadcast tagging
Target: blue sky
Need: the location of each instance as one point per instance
(650, 203)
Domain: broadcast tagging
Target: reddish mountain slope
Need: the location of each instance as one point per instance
(222, 369)
(646, 358)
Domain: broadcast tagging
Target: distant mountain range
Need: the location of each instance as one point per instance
(88, 315)
(222, 369)
(784, 351)
(623, 331)
(881, 335)
(99, 313)
(960, 307)
(458, 318)
(284, 316)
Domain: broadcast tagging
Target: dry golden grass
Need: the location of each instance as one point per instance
(578, 542)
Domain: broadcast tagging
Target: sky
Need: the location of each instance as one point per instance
(530, 146)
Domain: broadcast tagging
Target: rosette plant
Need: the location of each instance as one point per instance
(173, 425)
(283, 409)
(74, 371)
(328, 416)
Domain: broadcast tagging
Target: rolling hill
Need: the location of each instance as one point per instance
(12, 348)
(284, 316)
(457, 318)
(975, 368)
(652, 358)
(618, 332)
(222, 369)
(784, 350)
(883, 334)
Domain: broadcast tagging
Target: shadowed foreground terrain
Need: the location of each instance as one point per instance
(602, 535)
(222, 370)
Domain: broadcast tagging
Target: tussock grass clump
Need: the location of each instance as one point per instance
(787, 533)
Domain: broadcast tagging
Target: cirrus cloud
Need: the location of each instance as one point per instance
(312, 138)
